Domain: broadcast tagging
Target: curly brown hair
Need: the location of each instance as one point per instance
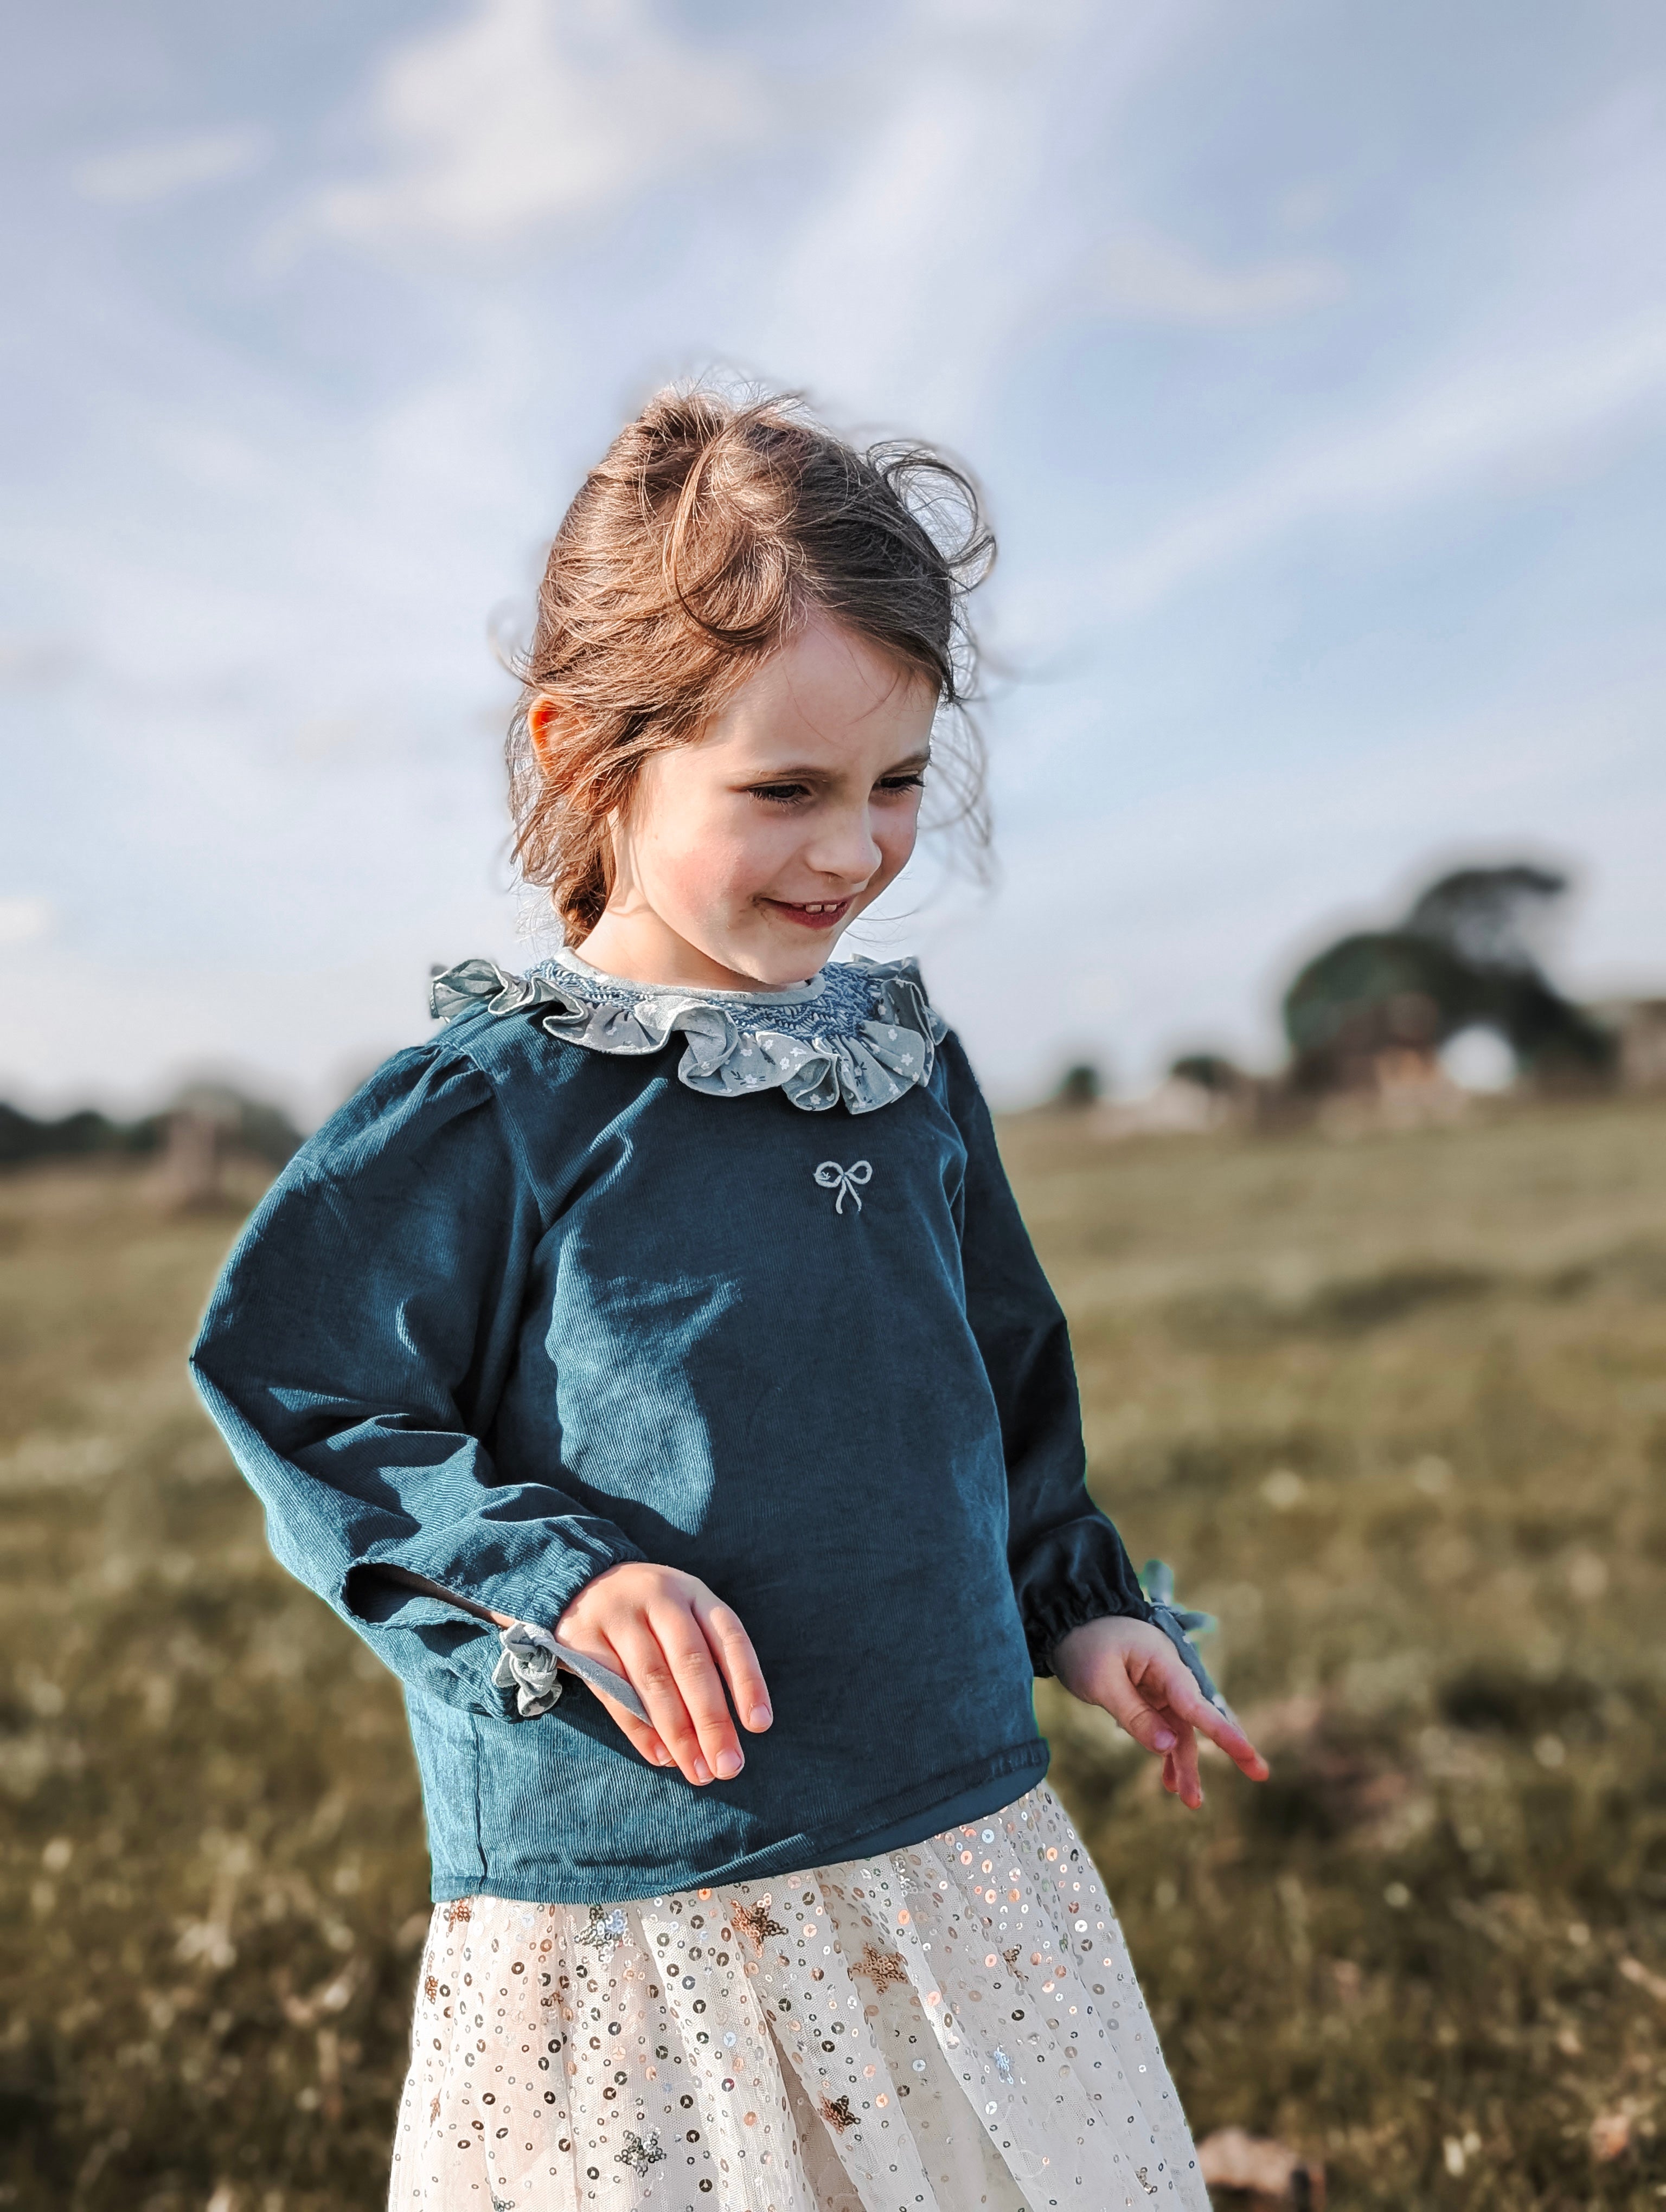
(707, 532)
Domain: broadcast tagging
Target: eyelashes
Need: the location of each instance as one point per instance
(793, 795)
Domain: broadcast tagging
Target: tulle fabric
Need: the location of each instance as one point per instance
(955, 2026)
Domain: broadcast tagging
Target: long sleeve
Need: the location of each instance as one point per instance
(353, 1354)
(1068, 1563)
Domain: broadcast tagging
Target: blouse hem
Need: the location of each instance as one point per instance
(546, 1884)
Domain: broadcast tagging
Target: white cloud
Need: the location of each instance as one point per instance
(1508, 418)
(921, 264)
(528, 112)
(23, 921)
(162, 168)
(1144, 277)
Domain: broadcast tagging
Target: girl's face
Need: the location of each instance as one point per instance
(745, 855)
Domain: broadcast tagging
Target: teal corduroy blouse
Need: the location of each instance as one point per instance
(731, 1282)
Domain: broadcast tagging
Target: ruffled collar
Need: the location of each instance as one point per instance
(861, 1034)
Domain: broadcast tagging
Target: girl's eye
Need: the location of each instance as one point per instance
(912, 782)
(780, 794)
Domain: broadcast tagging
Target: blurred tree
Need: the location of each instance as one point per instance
(1079, 1086)
(1466, 956)
(22, 1138)
(247, 1126)
(1209, 1071)
(1495, 919)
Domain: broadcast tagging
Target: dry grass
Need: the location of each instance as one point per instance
(1396, 1411)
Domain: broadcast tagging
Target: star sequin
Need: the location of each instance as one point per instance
(837, 2111)
(882, 1968)
(755, 1923)
(639, 2153)
(605, 1933)
(1012, 1956)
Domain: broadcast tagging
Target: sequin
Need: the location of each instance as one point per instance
(882, 1968)
(639, 2153)
(755, 1923)
(812, 2044)
(605, 1933)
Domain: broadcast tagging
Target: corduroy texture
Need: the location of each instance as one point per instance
(522, 1310)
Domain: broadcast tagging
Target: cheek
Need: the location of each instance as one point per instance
(896, 831)
(724, 862)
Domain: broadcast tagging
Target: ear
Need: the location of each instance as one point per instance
(547, 720)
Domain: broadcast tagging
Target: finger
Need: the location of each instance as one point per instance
(592, 1643)
(731, 1648)
(1210, 1721)
(682, 1639)
(1171, 1778)
(1187, 1787)
(647, 1668)
(1141, 1718)
(1166, 1680)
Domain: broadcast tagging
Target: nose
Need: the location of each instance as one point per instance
(842, 844)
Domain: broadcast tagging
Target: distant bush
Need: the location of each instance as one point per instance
(250, 1126)
(76, 1136)
(1079, 1087)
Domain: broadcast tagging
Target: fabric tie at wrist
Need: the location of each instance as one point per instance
(528, 1664)
(1178, 1624)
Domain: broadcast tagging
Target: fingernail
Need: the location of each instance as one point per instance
(701, 1771)
(728, 1764)
(1162, 1740)
(760, 1717)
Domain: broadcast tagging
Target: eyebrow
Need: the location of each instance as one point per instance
(819, 775)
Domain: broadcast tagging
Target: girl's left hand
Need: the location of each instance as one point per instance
(1135, 1674)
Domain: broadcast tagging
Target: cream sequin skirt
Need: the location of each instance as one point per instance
(951, 2027)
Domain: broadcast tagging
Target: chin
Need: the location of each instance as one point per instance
(776, 967)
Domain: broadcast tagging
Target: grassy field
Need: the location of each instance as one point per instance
(1396, 1410)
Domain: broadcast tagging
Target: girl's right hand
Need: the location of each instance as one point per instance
(677, 1645)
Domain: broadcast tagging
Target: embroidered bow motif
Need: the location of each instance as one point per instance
(846, 1180)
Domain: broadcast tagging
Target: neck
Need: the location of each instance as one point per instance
(642, 949)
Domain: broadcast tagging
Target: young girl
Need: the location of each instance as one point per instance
(653, 1369)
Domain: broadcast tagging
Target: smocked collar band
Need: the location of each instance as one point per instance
(861, 1034)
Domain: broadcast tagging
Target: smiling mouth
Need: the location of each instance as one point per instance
(814, 913)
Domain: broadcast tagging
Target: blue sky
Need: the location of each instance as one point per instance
(1314, 361)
